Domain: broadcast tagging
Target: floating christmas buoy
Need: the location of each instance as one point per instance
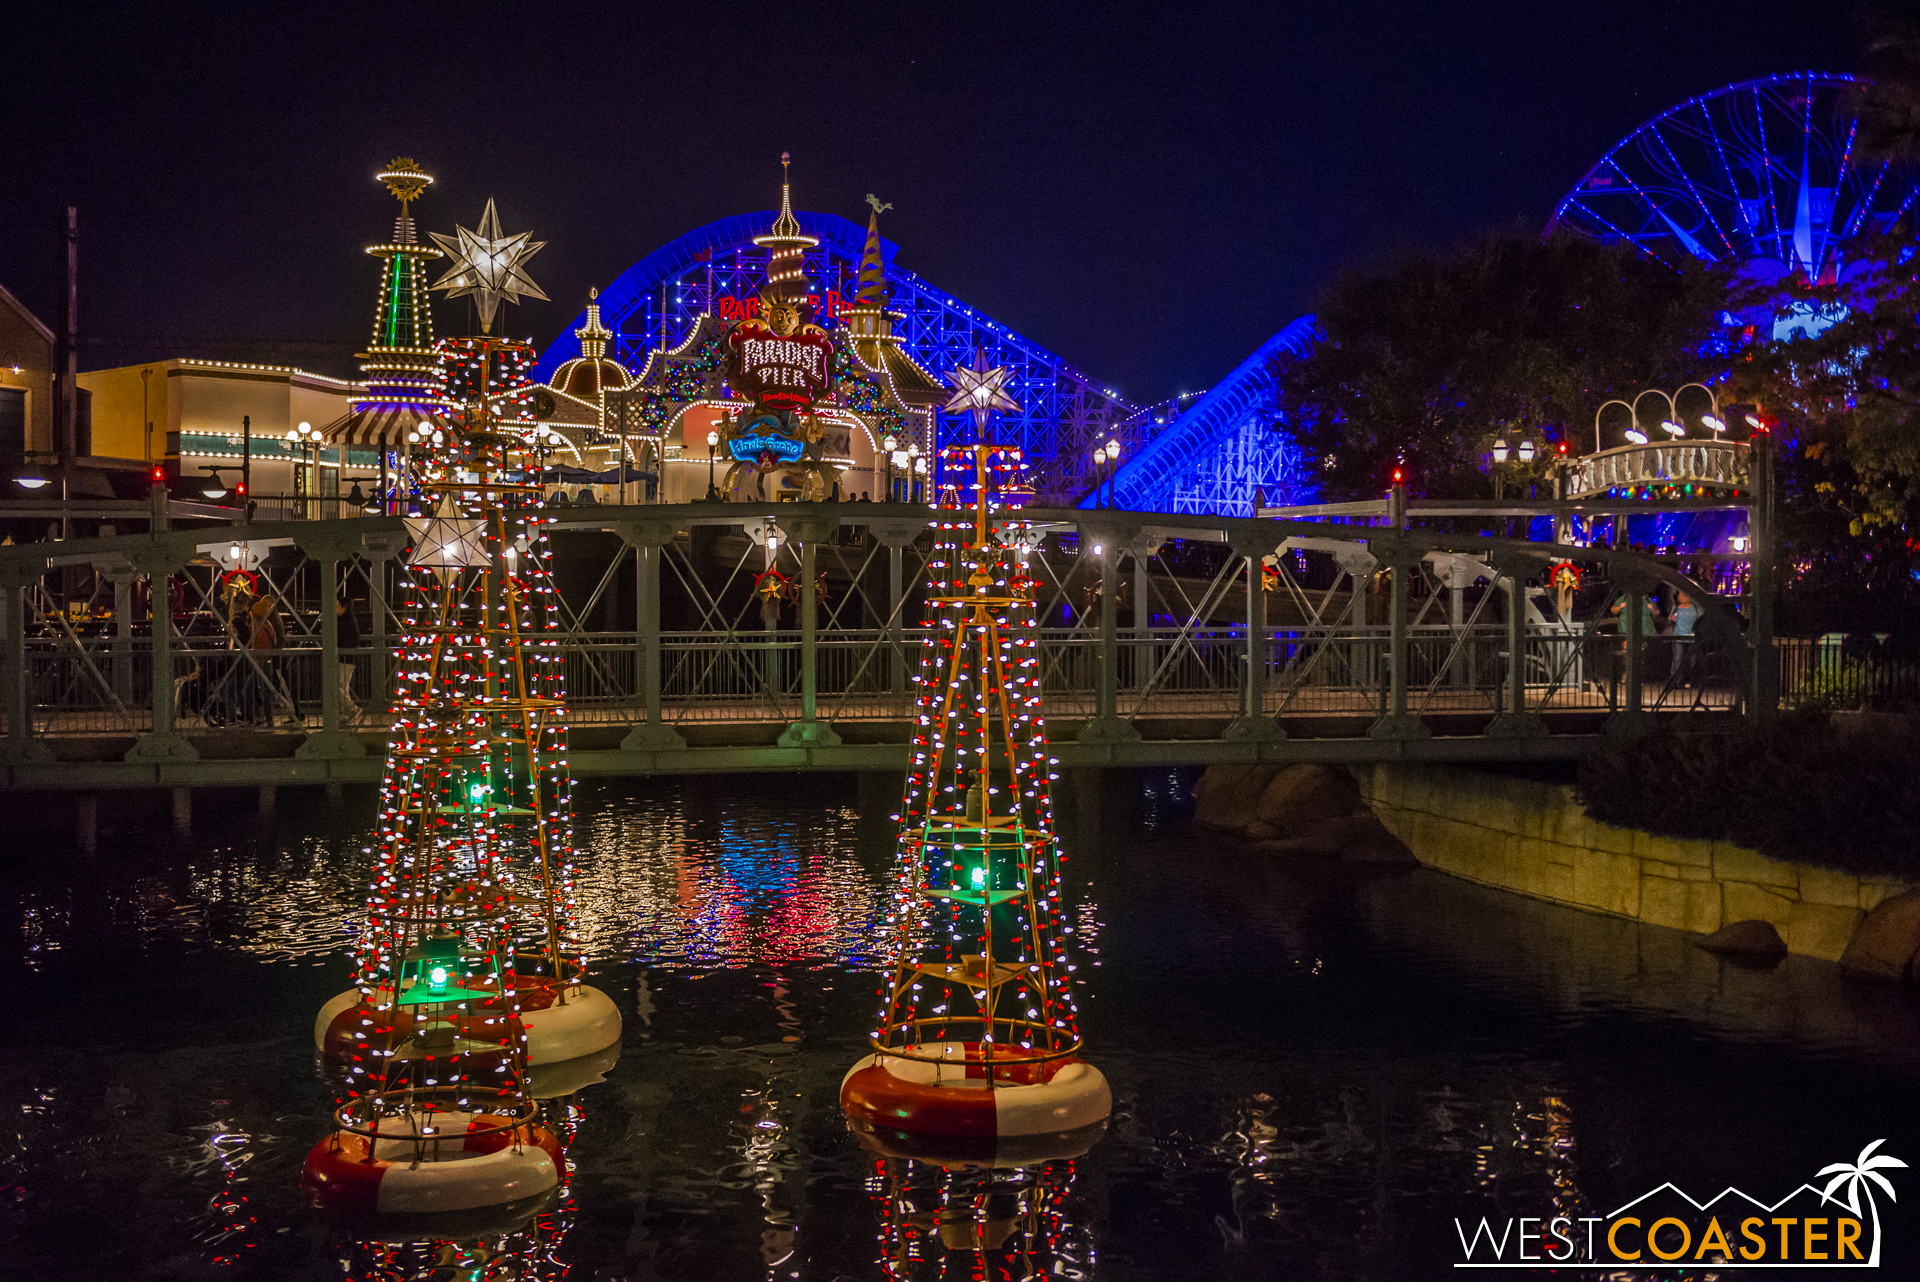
(432, 1162)
(467, 955)
(976, 1056)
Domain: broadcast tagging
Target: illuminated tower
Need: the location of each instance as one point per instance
(399, 365)
(786, 247)
(976, 1051)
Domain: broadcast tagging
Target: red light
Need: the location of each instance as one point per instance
(241, 489)
(1397, 477)
(159, 475)
(1563, 447)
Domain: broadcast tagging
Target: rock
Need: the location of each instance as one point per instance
(1750, 938)
(1300, 796)
(1227, 794)
(1356, 838)
(1886, 941)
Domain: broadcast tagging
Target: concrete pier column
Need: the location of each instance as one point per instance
(267, 798)
(183, 810)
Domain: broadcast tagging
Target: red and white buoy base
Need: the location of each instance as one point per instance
(448, 1162)
(941, 1105)
(562, 1022)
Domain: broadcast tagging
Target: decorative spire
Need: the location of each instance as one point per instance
(399, 364)
(488, 265)
(873, 270)
(406, 180)
(593, 336)
(786, 245)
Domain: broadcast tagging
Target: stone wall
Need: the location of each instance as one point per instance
(1536, 839)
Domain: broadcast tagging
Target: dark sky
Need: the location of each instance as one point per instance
(1149, 192)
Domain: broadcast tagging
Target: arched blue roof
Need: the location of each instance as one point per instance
(625, 294)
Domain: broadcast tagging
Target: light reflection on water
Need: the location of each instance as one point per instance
(1314, 1070)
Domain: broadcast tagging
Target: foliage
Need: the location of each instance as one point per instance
(1803, 787)
(1426, 359)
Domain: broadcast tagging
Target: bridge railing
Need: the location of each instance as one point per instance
(102, 686)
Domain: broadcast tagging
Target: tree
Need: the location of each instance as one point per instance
(1427, 358)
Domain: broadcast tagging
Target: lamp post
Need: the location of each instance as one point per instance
(888, 444)
(307, 441)
(713, 443)
(916, 467)
(1523, 453)
(1113, 468)
(1672, 422)
(920, 472)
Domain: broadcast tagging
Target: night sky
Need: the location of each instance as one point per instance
(1148, 192)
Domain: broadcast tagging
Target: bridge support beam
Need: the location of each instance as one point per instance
(1400, 558)
(809, 731)
(1760, 581)
(19, 746)
(1631, 719)
(653, 734)
(1253, 723)
(1513, 721)
(165, 743)
(330, 742)
(1106, 726)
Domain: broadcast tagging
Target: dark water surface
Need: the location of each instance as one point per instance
(1315, 1070)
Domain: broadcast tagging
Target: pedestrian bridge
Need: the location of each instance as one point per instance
(1165, 640)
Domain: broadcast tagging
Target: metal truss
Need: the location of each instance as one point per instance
(1212, 456)
(1064, 413)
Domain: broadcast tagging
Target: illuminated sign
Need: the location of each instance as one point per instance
(764, 436)
(779, 371)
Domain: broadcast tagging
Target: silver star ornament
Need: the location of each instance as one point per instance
(488, 266)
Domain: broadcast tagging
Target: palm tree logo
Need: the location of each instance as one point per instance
(1855, 1176)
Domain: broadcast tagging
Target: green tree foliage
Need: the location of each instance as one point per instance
(1426, 358)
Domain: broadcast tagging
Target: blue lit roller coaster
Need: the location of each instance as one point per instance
(1063, 413)
(1762, 173)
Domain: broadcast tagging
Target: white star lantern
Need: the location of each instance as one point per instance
(446, 541)
(488, 266)
(980, 390)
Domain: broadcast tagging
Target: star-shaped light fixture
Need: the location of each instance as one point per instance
(980, 390)
(446, 541)
(488, 266)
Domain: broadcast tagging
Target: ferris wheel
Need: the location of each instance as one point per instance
(1761, 174)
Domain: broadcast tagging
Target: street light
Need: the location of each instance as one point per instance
(1526, 451)
(916, 466)
(1113, 467)
(713, 443)
(307, 441)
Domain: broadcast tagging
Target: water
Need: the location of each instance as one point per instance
(1315, 1069)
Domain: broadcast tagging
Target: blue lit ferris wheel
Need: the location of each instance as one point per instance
(1761, 174)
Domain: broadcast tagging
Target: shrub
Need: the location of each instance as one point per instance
(1841, 793)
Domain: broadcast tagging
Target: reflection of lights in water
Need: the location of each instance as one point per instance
(1006, 1224)
(658, 883)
